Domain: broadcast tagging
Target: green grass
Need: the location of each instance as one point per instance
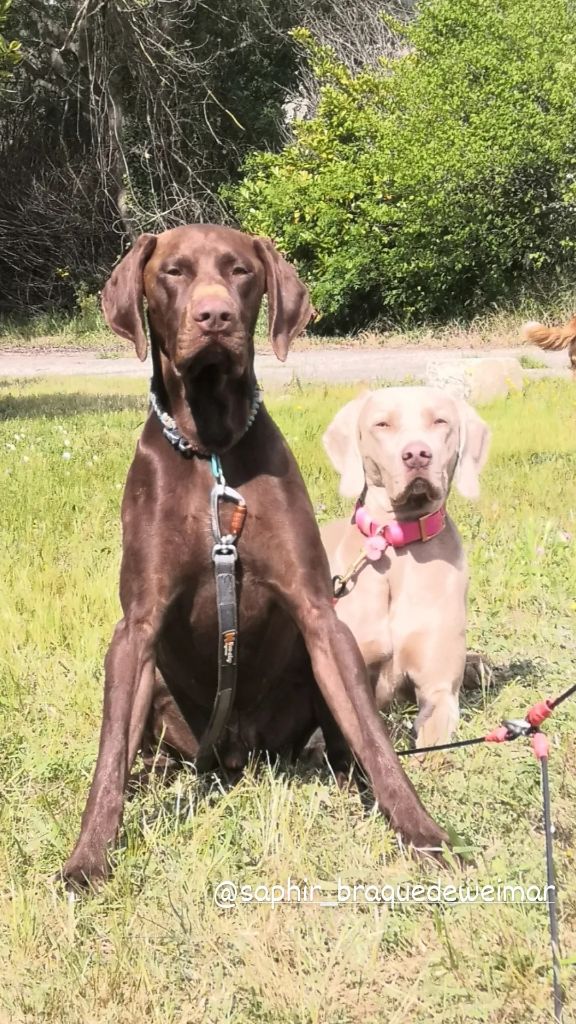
(529, 363)
(151, 946)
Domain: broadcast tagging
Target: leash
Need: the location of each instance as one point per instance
(511, 728)
(339, 583)
(225, 559)
(551, 885)
(529, 727)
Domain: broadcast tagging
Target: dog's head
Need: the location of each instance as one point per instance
(411, 442)
(203, 286)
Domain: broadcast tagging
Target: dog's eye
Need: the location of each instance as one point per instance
(240, 271)
(440, 420)
(173, 271)
(382, 423)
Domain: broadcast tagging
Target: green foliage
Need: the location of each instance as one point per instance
(9, 51)
(436, 185)
(89, 319)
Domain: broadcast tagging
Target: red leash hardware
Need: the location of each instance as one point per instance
(514, 728)
(540, 745)
(511, 729)
(539, 712)
(499, 735)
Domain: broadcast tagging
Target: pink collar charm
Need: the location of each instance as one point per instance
(397, 534)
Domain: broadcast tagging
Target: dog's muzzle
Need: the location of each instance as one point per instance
(212, 358)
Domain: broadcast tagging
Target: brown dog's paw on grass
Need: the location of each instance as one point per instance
(83, 874)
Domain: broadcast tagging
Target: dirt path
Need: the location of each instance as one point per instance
(330, 365)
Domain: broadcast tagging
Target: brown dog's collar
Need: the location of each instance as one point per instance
(187, 448)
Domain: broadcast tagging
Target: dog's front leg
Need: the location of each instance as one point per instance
(437, 674)
(340, 673)
(127, 695)
(438, 716)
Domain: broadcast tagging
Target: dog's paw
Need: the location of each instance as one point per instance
(81, 873)
(314, 753)
(478, 672)
(423, 835)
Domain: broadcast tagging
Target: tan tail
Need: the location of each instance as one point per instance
(550, 337)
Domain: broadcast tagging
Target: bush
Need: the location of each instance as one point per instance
(89, 319)
(436, 185)
(9, 51)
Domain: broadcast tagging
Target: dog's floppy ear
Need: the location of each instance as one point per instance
(473, 450)
(341, 444)
(123, 295)
(289, 308)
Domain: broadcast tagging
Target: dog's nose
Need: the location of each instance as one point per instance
(416, 455)
(212, 314)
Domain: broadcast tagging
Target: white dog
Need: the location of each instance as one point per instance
(399, 449)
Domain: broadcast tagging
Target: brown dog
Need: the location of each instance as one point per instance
(203, 286)
(554, 338)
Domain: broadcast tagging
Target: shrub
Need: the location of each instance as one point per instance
(9, 50)
(435, 185)
(89, 319)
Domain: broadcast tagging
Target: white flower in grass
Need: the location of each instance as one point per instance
(25, 458)
(11, 447)
(66, 455)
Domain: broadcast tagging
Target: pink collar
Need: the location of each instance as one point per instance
(397, 534)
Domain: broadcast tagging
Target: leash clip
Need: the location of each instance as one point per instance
(517, 727)
(339, 583)
(225, 544)
(221, 492)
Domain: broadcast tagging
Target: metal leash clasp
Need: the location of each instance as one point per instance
(339, 583)
(225, 544)
(517, 727)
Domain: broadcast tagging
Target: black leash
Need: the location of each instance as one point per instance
(512, 729)
(551, 891)
(224, 558)
(563, 696)
(441, 746)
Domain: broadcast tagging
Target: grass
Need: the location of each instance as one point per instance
(498, 327)
(151, 945)
(529, 363)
